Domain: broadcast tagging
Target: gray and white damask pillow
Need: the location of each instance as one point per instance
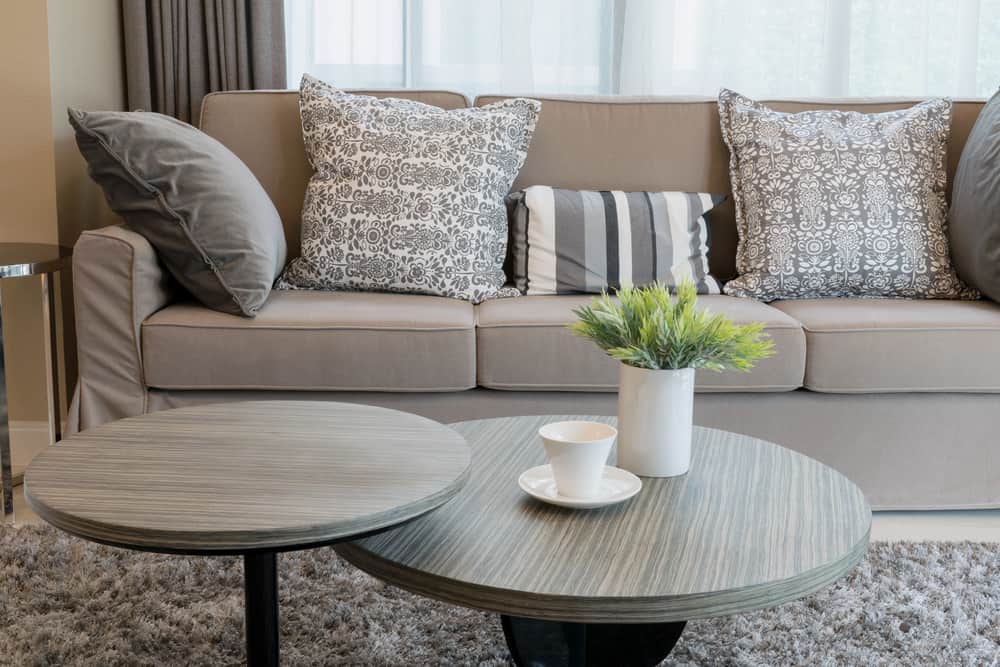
(407, 197)
(840, 203)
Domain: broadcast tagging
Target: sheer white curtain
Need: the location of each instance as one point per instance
(763, 48)
(471, 46)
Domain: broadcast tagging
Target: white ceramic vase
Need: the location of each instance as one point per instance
(655, 416)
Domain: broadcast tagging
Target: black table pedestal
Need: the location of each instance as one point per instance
(534, 643)
(260, 579)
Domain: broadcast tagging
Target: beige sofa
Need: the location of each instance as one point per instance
(899, 395)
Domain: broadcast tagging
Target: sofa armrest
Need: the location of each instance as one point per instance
(117, 283)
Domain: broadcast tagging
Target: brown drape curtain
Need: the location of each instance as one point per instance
(177, 51)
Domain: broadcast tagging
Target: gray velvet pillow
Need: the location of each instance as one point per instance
(975, 205)
(207, 216)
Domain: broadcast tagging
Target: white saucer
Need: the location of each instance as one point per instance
(617, 485)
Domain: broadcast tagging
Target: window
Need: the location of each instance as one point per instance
(764, 48)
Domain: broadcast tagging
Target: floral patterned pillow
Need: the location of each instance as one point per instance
(840, 203)
(407, 197)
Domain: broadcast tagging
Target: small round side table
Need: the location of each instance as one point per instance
(44, 260)
(256, 478)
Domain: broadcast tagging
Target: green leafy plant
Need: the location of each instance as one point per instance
(647, 327)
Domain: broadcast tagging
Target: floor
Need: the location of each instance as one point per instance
(972, 525)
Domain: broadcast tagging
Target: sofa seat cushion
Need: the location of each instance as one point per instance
(315, 341)
(875, 345)
(524, 345)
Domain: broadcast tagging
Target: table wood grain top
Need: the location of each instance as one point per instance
(238, 477)
(751, 525)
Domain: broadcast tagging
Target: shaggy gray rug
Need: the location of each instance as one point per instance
(64, 601)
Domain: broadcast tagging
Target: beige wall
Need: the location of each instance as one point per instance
(53, 54)
(27, 192)
(85, 51)
(86, 71)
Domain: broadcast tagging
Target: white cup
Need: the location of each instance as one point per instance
(577, 452)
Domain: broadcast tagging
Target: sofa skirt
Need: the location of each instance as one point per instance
(905, 451)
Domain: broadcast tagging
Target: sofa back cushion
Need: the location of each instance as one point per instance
(264, 130)
(580, 143)
(668, 144)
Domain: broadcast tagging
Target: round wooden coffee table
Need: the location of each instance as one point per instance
(251, 478)
(751, 525)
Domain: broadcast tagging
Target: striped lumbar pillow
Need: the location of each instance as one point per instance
(566, 241)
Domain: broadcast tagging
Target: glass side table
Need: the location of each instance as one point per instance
(44, 260)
